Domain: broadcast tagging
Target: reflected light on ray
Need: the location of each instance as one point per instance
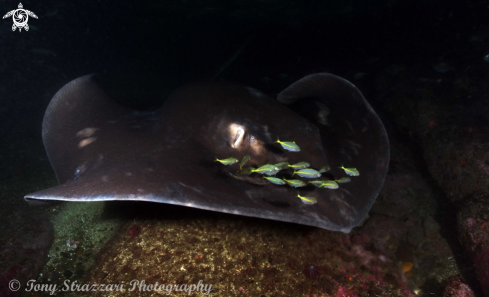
(236, 133)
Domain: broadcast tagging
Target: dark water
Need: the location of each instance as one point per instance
(144, 50)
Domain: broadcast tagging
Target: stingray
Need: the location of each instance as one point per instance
(101, 150)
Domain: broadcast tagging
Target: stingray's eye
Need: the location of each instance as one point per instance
(236, 135)
(256, 144)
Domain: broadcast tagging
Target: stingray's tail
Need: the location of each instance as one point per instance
(231, 60)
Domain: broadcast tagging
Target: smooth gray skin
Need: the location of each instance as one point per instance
(101, 150)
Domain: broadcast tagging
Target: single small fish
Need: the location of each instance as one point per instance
(282, 165)
(244, 161)
(289, 145)
(351, 171)
(442, 67)
(394, 69)
(32, 27)
(267, 169)
(359, 75)
(295, 183)
(371, 60)
(43, 52)
(343, 180)
(275, 180)
(324, 169)
(307, 173)
(245, 170)
(300, 165)
(317, 183)
(228, 161)
(308, 200)
(51, 13)
(330, 184)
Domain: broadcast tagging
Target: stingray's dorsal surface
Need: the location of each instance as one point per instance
(101, 150)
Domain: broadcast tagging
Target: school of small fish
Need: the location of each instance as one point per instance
(301, 169)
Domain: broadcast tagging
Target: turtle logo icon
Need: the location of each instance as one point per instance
(20, 17)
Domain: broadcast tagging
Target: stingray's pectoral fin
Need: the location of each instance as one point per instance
(91, 187)
(41, 202)
(350, 129)
(80, 120)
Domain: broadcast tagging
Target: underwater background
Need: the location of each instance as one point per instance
(422, 65)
